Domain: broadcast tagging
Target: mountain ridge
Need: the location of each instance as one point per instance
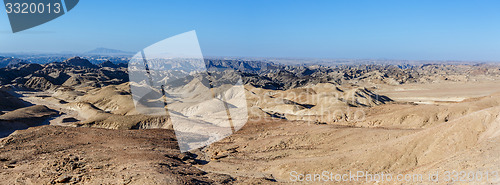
(108, 51)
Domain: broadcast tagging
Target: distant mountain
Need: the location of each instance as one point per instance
(6, 62)
(107, 51)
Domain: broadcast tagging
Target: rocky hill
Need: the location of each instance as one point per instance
(77, 71)
(8, 62)
(73, 72)
(282, 77)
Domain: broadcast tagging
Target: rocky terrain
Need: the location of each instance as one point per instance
(377, 118)
(74, 72)
(51, 154)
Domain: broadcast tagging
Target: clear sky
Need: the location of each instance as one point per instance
(415, 30)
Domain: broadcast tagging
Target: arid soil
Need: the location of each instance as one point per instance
(53, 154)
(384, 143)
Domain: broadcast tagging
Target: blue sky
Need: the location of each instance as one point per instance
(415, 30)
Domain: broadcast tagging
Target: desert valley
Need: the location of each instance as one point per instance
(75, 122)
